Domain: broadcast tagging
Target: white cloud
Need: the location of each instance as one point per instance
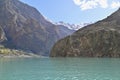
(103, 3)
(91, 4)
(77, 2)
(115, 4)
(88, 5)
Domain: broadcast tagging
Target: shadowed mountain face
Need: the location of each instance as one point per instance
(25, 28)
(101, 39)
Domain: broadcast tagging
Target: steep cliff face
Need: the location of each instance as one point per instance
(101, 39)
(26, 29)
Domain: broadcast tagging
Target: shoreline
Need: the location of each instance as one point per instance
(20, 56)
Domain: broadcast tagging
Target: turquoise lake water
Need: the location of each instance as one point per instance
(60, 69)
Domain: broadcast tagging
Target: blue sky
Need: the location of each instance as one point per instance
(75, 11)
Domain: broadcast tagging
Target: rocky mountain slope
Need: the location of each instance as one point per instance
(26, 29)
(6, 52)
(101, 39)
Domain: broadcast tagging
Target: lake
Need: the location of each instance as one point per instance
(60, 69)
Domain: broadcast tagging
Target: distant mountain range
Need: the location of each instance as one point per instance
(101, 39)
(73, 26)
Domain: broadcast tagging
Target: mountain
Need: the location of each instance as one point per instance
(26, 29)
(73, 26)
(6, 52)
(101, 39)
(64, 31)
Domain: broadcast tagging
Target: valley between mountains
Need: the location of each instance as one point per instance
(24, 31)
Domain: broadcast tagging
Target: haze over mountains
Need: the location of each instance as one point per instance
(101, 39)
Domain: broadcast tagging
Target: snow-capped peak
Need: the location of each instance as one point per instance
(73, 26)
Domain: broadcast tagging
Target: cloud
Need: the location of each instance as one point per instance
(77, 2)
(115, 4)
(103, 3)
(88, 5)
(91, 4)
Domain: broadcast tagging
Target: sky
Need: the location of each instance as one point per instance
(75, 11)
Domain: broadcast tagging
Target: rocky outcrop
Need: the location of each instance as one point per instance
(26, 29)
(101, 39)
(2, 35)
